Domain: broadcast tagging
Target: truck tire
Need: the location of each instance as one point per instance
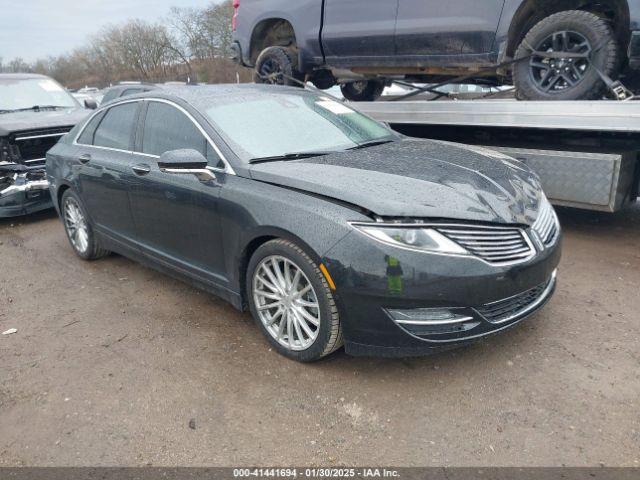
(539, 77)
(278, 66)
(364, 91)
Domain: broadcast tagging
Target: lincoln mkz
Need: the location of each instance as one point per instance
(328, 226)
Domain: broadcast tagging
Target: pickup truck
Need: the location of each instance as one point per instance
(548, 49)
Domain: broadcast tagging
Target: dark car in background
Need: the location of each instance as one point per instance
(329, 227)
(125, 89)
(35, 112)
(563, 46)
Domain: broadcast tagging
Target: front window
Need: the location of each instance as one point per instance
(26, 94)
(166, 128)
(280, 124)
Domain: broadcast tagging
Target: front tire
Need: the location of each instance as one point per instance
(79, 229)
(364, 91)
(575, 32)
(292, 303)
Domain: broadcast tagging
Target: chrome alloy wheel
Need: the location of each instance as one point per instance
(286, 302)
(76, 225)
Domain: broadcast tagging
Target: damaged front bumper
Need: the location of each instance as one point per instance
(24, 193)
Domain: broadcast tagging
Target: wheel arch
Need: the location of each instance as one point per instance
(530, 12)
(269, 32)
(259, 238)
(61, 189)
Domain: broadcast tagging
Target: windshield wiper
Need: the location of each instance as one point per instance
(372, 143)
(40, 107)
(289, 156)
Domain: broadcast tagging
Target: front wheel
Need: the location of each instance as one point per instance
(292, 303)
(364, 91)
(79, 229)
(561, 55)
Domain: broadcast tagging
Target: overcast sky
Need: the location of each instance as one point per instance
(37, 28)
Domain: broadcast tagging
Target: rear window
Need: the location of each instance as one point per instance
(87, 134)
(116, 127)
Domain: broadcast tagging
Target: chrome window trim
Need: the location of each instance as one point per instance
(227, 168)
(469, 255)
(31, 137)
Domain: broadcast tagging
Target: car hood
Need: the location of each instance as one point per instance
(33, 120)
(417, 178)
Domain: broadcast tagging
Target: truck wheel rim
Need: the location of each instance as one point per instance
(286, 303)
(271, 72)
(76, 225)
(556, 73)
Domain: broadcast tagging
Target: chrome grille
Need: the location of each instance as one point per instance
(513, 307)
(34, 144)
(546, 225)
(496, 245)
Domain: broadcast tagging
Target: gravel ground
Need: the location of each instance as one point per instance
(115, 364)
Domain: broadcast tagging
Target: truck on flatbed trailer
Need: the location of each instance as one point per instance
(548, 49)
(587, 153)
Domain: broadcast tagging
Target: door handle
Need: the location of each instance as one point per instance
(84, 158)
(141, 169)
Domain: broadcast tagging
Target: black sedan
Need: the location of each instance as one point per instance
(331, 228)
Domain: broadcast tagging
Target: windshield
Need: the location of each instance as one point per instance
(279, 124)
(16, 94)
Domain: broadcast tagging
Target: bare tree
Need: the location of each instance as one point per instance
(192, 43)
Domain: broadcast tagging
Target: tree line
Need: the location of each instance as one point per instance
(189, 44)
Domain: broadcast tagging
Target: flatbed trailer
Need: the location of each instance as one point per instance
(587, 153)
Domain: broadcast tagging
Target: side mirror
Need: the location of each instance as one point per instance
(90, 103)
(185, 162)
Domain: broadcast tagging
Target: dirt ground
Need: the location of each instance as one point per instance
(113, 361)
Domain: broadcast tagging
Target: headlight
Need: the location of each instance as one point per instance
(412, 238)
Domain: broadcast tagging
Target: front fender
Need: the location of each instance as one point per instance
(250, 210)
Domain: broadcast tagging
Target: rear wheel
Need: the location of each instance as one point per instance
(79, 229)
(292, 303)
(278, 66)
(565, 52)
(363, 91)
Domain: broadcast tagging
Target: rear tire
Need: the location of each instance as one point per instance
(79, 229)
(276, 306)
(571, 31)
(364, 91)
(278, 66)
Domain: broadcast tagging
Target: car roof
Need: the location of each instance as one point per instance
(201, 94)
(133, 86)
(21, 76)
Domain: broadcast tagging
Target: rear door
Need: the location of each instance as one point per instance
(104, 166)
(455, 27)
(358, 31)
(176, 216)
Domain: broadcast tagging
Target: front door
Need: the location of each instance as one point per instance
(171, 211)
(456, 27)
